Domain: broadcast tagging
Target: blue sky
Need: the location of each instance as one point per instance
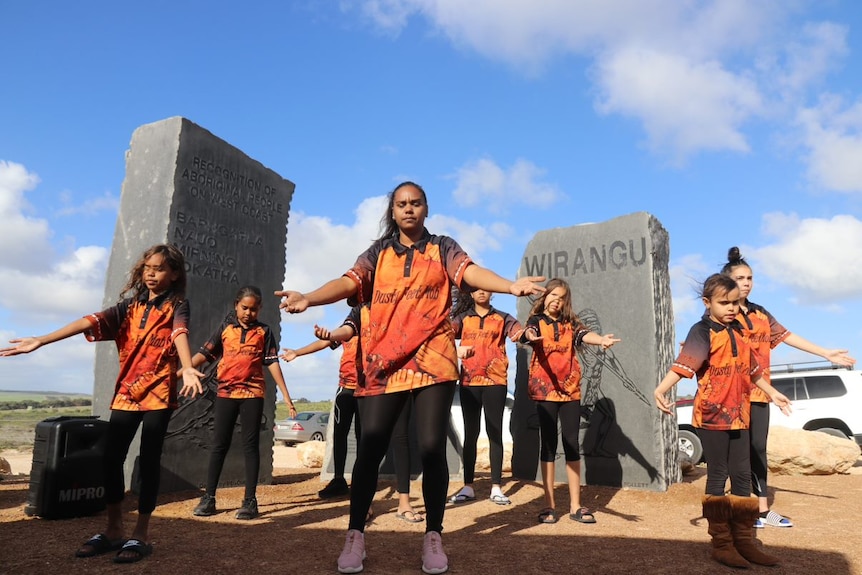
(733, 122)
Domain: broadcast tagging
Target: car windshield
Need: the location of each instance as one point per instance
(305, 415)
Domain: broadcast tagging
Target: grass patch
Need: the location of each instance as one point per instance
(18, 426)
(281, 408)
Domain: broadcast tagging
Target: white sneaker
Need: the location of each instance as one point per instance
(434, 559)
(353, 554)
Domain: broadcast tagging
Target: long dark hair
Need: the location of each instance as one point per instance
(566, 312)
(462, 302)
(174, 259)
(388, 227)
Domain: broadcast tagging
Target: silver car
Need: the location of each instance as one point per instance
(307, 426)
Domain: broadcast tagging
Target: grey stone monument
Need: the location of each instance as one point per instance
(618, 273)
(228, 214)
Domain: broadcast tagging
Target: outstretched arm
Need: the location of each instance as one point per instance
(315, 346)
(330, 292)
(606, 341)
(836, 356)
(661, 400)
(28, 344)
(341, 333)
(482, 278)
(275, 371)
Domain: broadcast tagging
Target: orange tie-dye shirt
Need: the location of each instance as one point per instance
(144, 332)
(765, 333)
(725, 363)
(408, 341)
(242, 354)
(487, 335)
(555, 372)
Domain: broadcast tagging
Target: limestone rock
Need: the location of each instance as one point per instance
(311, 453)
(800, 452)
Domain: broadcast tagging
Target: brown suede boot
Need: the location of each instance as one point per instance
(744, 512)
(716, 510)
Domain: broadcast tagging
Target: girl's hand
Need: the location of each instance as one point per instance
(608, 340)
(663, 403)
(288, 355)
(25, 345)
(293, 302)
(191, 382)
(321, 332)
(781, 401)
(291, 409)
(465, 351)
(527, 286)
(839, 357)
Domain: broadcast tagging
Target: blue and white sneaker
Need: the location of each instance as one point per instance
(774, 519)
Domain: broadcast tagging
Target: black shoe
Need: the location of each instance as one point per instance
(336, 488)
(248, 509)
(207, 506)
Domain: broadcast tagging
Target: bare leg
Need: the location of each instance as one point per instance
(548, 483)
(573, 474)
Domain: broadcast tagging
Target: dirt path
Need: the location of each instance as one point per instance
(637, 532)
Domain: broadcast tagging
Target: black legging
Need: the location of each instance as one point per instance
(379, 414)
(346, 412)
(401, 448)
(568, 413)
(226, 412)
(758, 431)
(473, 399)
(726, 454)
(122, 427)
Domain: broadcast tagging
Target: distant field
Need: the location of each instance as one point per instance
(18, 426)
(281, 409)
(36, 395)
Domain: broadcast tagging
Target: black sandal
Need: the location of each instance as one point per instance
(548, 515)
(99, 544)
(582, 515)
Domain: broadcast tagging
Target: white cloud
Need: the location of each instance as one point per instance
(25, 239)
(484, 183)
(832, 134)
(685, 106)
(814, 257)
(694, 74)
(38, 286)
(819, 49)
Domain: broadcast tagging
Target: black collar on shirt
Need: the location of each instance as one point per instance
(234, 321)
(555, 323)
(716, 326)
(156, 302)
(729, 328)
(472, 311)
(144, 297)
(419, 245)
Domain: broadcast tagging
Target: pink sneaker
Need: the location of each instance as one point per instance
(350, 560)
(434, 559)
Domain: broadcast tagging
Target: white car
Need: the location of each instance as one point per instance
(825, 398)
